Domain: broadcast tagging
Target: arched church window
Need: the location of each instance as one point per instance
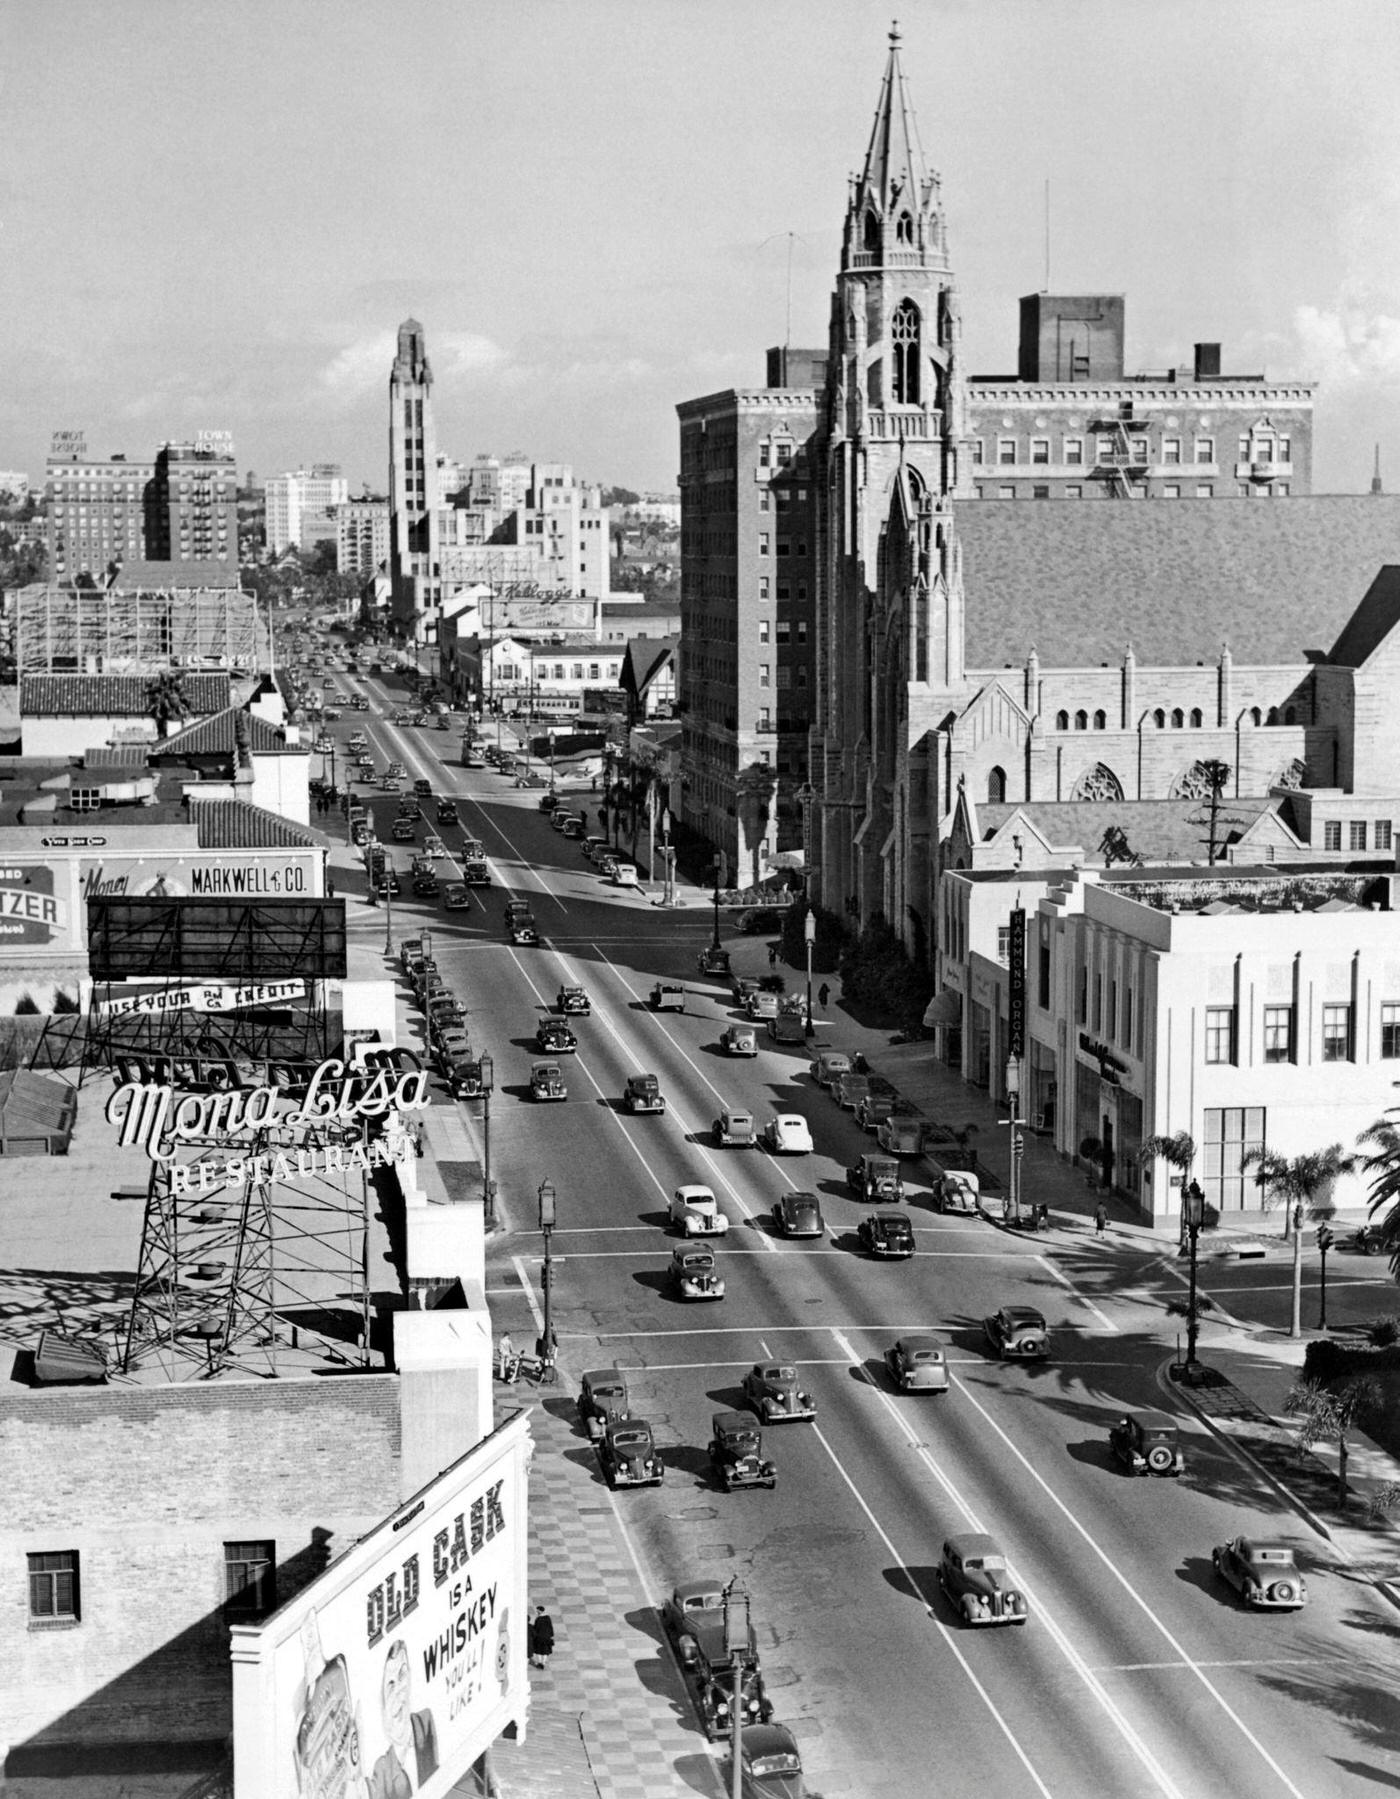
(1195, 718)
(872, 231)
(1062, 721)
(904, 354)
(1098, 783)
(1100, 721)
(1273, 715)
(1256, 717)
(1081, 721)
(1178, 718)
(904, 229)
(1159, 718)
(1290, 717)
(996, 787)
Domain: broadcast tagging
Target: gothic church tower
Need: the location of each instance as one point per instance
(890, 610)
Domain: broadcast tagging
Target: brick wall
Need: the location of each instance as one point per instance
(147, 1484)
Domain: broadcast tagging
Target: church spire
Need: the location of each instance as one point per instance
(894, 162)
(893, 217)
(1376, 485)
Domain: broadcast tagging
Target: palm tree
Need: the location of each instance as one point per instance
(756, 786)
(1178, 1151)
(165, 699)
(1295, 1180)
(1329, 1414)
(1383, 1166)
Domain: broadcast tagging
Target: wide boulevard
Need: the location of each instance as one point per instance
(1137, 1673)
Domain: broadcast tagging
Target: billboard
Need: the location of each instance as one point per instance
(401, 1664)
(30, 910)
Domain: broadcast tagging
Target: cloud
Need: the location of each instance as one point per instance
(1348, 346)
(363, 366)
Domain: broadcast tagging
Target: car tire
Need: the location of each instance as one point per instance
(1283, 1592)
(1159, 1459)
(1372, 1248)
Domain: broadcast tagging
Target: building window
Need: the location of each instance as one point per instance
(1062, 721)
(250, 1578)
(1278, 1033)
(1195, 718)
(1040, 493)
(1081, 721)
(1356, 834)
(764, 455)
(1083, 1006)
(1074, 493)
(593, 671)
(996, 787)
(978, 452)
(784, 630)
(1171, 450)
(1074, 452)
(784, 454)
(784, 546)
(1171, 491)
(1003, 943)
(1390, 1032)
(1100, 721)
(1006, 493)
(1040, 449)
(905, 354)
(1382, 833)
(1104, 449)
(763, 500)
(1332, 834)
(1336, 1033)
(764, 672)
(578, 671)
(1220, 1033)
(1205, 449)
(763, 543)
(1205, 490)
(1006, 449)
(763, 630)
(764, 720)
(802, 630)
(1178, 718)
(53, 1587)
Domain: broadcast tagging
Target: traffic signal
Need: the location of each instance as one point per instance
(1324, 1238)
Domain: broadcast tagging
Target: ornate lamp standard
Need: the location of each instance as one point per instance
(806, 797)
(809, 935)
(736, 1647)
(1193, 1212)
(547, 1222)
(488, 1190)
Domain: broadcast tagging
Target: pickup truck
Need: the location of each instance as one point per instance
(668, 996)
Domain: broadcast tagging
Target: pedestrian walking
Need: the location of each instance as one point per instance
(593, 783)
(505, 1357)
(772, 955)
(541, 1637)
(1100, 1219)
(823, 995)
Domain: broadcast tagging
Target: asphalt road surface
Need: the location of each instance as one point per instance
(1137, 1673)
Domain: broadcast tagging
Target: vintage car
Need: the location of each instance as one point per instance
(1018, 1331)
(828, 1067)
(555, 1038)
(957, 1191)
(1147, 1443)
(572, 1000)
(972, 1571)
(548, 801)
(475, 872)
(516, 908)
(387, 884)
(900, 1135)
(695, 1212)
(628, 1455)
(789, 1024)
(411, 949)
(771, 1389)
(606, 866)
(712, 961)
(888, 1236)
(559, 817)
(668, 996)
(739, 1040)
(463, 1077)
(918, 1365)
(1366, 1240)
(455, 896)
(425, 886)
(761, 1005)
(741, 986)
(693, 1275)
(874, 1109)
(474, 850)
(547, 1082)
(735, 1128)
(769, 1764)
(736, 1452)
(626, 875)
(360, 832)
(523, 931)
(875, 1179)
(1264, 1573)
(786, 1134)
(693, 1616)
(850, 1090)
(423, 788)
(798, 1215)
(643, 1094)
(595, 847)
(603, 1400)
(445, 812)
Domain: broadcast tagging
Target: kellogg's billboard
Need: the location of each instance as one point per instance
(397, 1668)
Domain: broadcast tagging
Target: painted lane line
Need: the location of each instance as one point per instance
(1042, 1613)
(529, 1292)
(1111, 1567)
(954, 1648)
(1281, 1661)
(1065, 1281)
(524, 861)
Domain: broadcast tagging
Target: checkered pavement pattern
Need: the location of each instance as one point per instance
(610, 1717)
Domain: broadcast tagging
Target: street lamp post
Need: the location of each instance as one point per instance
(488, 1191)
(388, 906)
(551, 759)
(719, 867)
(547, 1221)
(806, 798)
(1193, 1211)
(809, 935)
(736, 1647)
(1324, 1243)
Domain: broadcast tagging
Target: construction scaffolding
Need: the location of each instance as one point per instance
(63, 630)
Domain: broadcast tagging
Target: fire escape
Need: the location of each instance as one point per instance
(1121, 454)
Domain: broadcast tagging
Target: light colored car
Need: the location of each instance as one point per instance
(786, 1134)
(695, 1212)
(1264, 1574)
(958, 1191)
(740, 1040)
(918, 1365)
(972, 1571)
(735, 1127)
(829, 1066)
(874, 1109)
(625, 875)
(761, 1005)
(900, 1135)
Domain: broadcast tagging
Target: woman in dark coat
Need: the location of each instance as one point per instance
(541, 1637)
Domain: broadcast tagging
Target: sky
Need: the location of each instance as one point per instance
(215, 213)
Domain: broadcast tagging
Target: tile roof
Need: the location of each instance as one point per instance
(1371, 623)
(1274, 578)
(113, 696)
(216, 736)
(1156, 830)
(231, 825)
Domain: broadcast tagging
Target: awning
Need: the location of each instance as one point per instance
(786, 859)
(944, 1008)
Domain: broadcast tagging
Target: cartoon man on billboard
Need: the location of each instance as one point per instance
(412, 1735)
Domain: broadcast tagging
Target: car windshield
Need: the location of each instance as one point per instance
(776, 1764)
(711, 1600)
(989, 1564)
(740, 1118)
(632, 1439)
(780, 1377)
(741, 1439)
(697, 1261)
(925, 1355)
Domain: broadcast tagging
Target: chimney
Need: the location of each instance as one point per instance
(1207, 362)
